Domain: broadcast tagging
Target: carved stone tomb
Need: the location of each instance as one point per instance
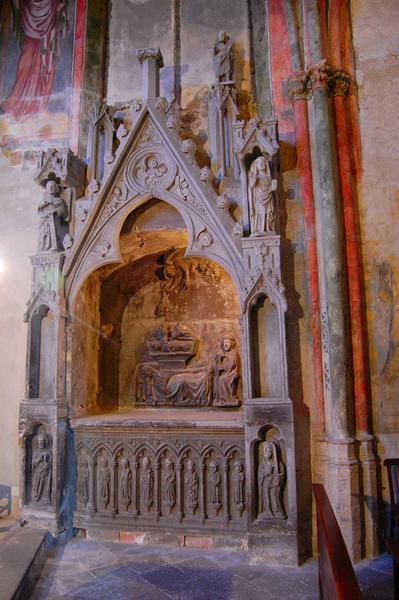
(157, 396)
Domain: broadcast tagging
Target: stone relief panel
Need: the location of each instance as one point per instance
(170, 380)
(180, 337)
(153, 479)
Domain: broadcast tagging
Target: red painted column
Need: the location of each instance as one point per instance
(294, 125)
(77, 75)
(338, 29)
(298, 97)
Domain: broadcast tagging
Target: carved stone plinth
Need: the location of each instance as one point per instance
(175, 477)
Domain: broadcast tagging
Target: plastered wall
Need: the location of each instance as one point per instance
(376, 46)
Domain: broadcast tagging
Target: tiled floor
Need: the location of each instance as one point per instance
(107, 571)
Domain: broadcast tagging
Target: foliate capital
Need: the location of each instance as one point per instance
(319, 75)
(340, 82)
(146, 53)
(298, 86)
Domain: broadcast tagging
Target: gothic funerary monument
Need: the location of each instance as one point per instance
(171, 411)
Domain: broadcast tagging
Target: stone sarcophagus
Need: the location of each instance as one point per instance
(157, 391)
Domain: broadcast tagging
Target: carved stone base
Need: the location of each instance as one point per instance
(342, 485)
(367, 456)
(169, 475)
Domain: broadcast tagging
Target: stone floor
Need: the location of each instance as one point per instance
(109, 571)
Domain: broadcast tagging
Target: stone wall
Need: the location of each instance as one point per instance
(376, 48)
(19, 197)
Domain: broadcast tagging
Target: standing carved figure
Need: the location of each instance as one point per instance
(83, 481)
(41, 470)
(125, 483)
(226, 374)
(146, 483)
(223, 58)
(238, 485)
(169, 484)
(104, 478)
(260, 197)
(51, 210)
(214, 486)
(191, 486)
(270, 482)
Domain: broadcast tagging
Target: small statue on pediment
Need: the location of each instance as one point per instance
(223, 58)
(52, 213)
(260, 196)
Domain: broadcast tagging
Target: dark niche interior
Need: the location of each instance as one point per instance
(160, 329)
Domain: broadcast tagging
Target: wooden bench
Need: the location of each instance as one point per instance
(337, 579)
(392, 465)
(393, 547)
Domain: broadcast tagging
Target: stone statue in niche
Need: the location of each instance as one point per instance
(125, 483)
(146, 484)
(223, 58)
(41, 469)
(169, 484)
(168, 380)
(104, 481)
(226, 374)
(270, 482)
(52, 213)
(260, 196)
(214, 486)
(83, 481)
(191, 486)
(238, 485)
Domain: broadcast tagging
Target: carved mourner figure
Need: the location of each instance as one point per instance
(51, 211)
(125, 483)
(169, 484)
(191, 486)
(146, 483)
(270, 482)
(214, 486)
(41, 470)
(226, 374)
(104, 478)
(238, 485)
(260, 197)
(83, 481)
(223, 58)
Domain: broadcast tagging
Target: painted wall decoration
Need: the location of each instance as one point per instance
(36, 56)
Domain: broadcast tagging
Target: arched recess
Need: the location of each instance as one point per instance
(119, 305)
(267, 376)
(41, 356)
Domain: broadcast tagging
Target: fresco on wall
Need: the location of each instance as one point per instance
(36, 52)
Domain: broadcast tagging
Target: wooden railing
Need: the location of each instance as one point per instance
(337, 579)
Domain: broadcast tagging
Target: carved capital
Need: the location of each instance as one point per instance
(319, 75)
(298, 86)
(146, 53)
(340, 82)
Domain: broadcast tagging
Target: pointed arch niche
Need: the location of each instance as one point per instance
(155, 289)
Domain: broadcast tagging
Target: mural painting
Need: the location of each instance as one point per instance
(36, 53)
